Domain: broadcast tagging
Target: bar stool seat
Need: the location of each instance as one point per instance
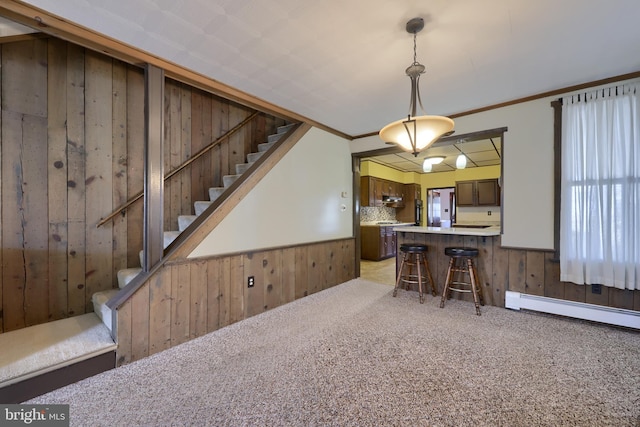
(414, 255)
(461, 263)
(461, 252)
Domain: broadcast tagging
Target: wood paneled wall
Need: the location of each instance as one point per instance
(72, 152)
(519, 270)
(190, 298)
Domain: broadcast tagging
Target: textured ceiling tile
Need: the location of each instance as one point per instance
(197, 15)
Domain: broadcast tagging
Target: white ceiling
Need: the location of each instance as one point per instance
(341, 63)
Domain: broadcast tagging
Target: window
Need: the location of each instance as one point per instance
(600, 188)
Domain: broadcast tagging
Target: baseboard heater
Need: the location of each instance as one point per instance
(578, 310)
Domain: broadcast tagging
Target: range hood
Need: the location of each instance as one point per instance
(391, 200)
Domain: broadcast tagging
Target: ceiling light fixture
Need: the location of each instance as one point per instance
(434, 160)
(416, 133)
(428, 163)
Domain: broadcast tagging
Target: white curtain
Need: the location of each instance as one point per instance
(600, 204)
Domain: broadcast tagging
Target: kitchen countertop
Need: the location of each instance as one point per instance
(493, 230)
(384, 224)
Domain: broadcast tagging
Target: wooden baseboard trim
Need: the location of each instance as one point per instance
(36, 386)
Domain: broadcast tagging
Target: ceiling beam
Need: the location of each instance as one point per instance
(447, 140)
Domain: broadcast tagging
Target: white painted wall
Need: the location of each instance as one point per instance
(527, 184)
(528, 168)
(300, 200)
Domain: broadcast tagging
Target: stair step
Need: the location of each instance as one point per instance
(169, 237)
(242, 167)
(275, 137)
(252, 157)
(215, 192)
(227, 180)
(127, 275)
(285, 128)
(99, 300)
(265, 146)
(200, 206)
(185, 220)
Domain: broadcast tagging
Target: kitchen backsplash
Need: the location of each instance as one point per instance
(370, 214)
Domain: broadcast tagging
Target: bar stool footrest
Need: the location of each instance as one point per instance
(414, 255)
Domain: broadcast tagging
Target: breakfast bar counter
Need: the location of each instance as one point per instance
(492, 263)
(466, 230)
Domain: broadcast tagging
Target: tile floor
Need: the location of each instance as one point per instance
(379, 271)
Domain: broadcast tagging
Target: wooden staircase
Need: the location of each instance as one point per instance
(125, 276)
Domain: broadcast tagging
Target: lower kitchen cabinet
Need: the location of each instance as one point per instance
(377, 242)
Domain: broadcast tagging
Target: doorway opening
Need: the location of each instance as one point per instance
(441, 207)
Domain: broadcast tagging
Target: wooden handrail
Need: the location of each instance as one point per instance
(122, 209)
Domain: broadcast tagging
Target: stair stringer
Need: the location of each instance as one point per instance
(193, 235)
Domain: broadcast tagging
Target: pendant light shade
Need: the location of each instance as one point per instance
(461, 161)
(416, 133)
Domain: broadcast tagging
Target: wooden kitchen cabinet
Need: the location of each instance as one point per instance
(370, 192)
(484, 192)
(466, 193)
(389, 242)
(396, 189)
(373, 189)
(412, 192)
(488, 192)
(377, 242)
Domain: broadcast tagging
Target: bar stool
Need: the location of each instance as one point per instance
(461, 262)
(414, 256)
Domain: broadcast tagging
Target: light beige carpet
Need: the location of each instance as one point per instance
(35, 350)
(355, 356)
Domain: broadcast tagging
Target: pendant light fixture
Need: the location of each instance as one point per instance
(461, 161)
(416, 132)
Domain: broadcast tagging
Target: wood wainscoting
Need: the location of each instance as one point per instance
(532, 272)
(72, 132)
(192, 297)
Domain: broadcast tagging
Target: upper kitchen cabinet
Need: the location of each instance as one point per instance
(488, 192)
(485, 192)
(412, 192)
(373, 190)
(370, 193)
